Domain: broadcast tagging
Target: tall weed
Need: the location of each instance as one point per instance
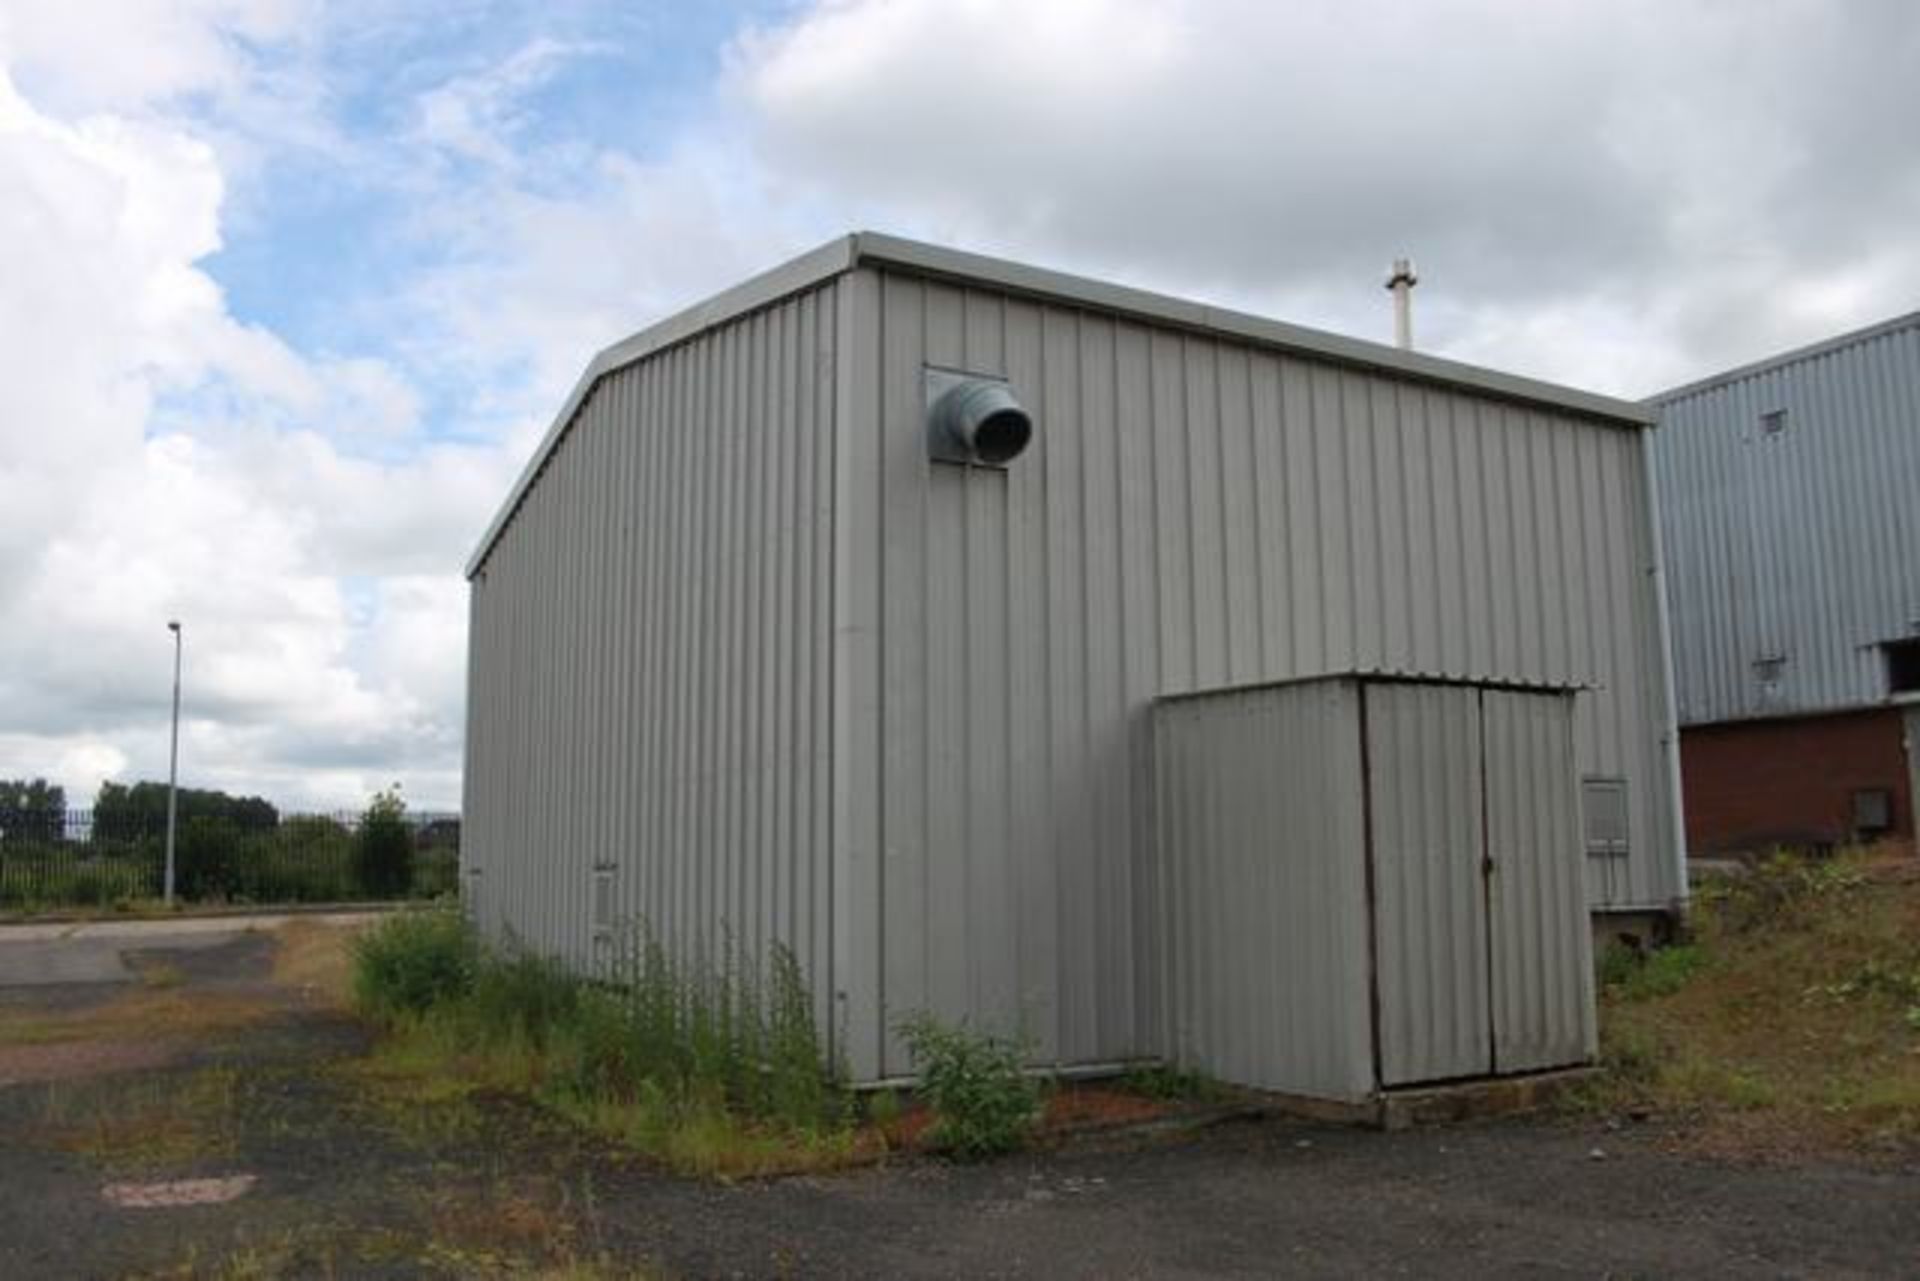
(983, 1101)
(674, 1057)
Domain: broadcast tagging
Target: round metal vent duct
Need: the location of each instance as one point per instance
(975, 420)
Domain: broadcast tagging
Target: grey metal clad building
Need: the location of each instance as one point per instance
(836, 611)
(1790, 496)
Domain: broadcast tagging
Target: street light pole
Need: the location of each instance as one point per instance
(173, 759)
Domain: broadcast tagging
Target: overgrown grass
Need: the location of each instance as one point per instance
(1172, 1084)
(715, 1072)
(525, 1226)
(1789, 1022)
(316, 960)
(139, 1014)
(171, 1119)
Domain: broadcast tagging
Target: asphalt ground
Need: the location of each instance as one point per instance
(297, 1170)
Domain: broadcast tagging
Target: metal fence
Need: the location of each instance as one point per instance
(80, 859)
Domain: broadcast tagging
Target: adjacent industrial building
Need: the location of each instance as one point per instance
(1164, 681)
(1790, 498)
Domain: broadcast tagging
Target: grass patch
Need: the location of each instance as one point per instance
(316, 960)
(531, 1229)
(715, 1073)
(1627, 975)
(522, 1227)
(1788, 1023)
(1171, 1084)
(162, 1013)
(170, 1120)
(160, 974)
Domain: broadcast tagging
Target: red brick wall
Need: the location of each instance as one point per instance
(1755, 784)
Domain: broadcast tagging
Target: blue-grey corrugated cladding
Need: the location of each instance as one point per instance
(1542, 950)
(1195, 511)
(1426, 827)
(1804, 545)
(652, 654)
(1261, 884)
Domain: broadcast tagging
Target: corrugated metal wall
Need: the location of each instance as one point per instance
(1261, 958)
(651, 655)
(1802, 545)
(1194, 512)
(1426, 820)
(1541, 947)
(1336, 858)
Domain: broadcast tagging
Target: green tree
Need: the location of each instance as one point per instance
(208, 858)
(32, 810)
(383, 852)
(140, 809)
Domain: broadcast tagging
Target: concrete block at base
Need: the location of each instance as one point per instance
(1640, 931)
(1477, 1100)
(1429, 1105)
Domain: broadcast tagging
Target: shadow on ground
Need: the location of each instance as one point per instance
(251, 1096)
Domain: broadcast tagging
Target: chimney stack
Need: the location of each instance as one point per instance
(1401, 284)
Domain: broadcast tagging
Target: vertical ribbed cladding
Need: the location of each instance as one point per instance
(1261, 948)
(1798, 545)
(1193, 512)
(1541, 947)
(651, 677)
(1424, 789)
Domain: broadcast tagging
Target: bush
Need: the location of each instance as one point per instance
(414, 962)
(983, 1102)
(40, 875)
(1782, 890)
(383, 859)
(307, 859)
(206, 858)
(436, 871)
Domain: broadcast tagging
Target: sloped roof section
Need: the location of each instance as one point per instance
(1824, 347)
(873, 249)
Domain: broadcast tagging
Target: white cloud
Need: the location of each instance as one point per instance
(273, 475)
(1619, 197)
(1549, 165)
(476, 115)
(90, 55)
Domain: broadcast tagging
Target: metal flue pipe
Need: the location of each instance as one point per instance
(1401, 284)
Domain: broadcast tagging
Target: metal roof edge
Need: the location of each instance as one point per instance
(1853, 707)
(1792, 356)
(1379, 676)
(790, 277)
(959, 265)
(843, 253)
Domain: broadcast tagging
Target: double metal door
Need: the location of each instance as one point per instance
(1482, 953)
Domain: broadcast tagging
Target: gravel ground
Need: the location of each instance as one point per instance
(337, 1187)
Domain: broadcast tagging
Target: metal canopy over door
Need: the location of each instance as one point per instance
(1425, 829)
(1481, 947)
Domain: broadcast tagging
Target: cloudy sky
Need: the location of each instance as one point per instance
(288, 288)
